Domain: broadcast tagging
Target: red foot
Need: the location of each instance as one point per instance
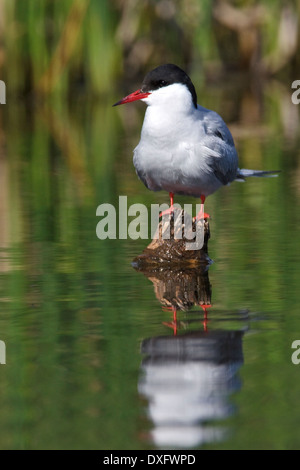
(166, 308)
(204, 307)
(173, 324)
(167, 211)
(201, 215)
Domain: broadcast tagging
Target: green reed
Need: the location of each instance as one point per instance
(62, 45)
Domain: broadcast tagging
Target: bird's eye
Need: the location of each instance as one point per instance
(162, 83)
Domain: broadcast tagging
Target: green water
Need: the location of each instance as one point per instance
(76, 317)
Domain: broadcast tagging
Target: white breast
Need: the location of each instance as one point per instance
(175, 150)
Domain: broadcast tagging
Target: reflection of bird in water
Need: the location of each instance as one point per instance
(187, 380)
(184, 148)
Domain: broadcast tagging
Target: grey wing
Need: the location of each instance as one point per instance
(138, 168)
(218, 147)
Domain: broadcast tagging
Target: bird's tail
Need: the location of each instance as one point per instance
(244, 173)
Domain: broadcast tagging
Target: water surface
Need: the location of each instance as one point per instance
(94, 356)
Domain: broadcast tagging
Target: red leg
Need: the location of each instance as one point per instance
(201, 214)
(173, 324)
(205, 318)
(171, 208)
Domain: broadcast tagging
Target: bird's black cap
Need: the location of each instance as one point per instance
(165, 75)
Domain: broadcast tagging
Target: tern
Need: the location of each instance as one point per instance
(184, 148)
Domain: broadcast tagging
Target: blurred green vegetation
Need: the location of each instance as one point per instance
(62, 45)
(73, 311)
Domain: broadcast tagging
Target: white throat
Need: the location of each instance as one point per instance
(170, 110)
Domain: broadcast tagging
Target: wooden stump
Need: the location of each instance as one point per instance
(170, 243)
(179, 275)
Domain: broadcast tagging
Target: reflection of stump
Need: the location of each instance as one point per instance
(181, 288)
(172, 240)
